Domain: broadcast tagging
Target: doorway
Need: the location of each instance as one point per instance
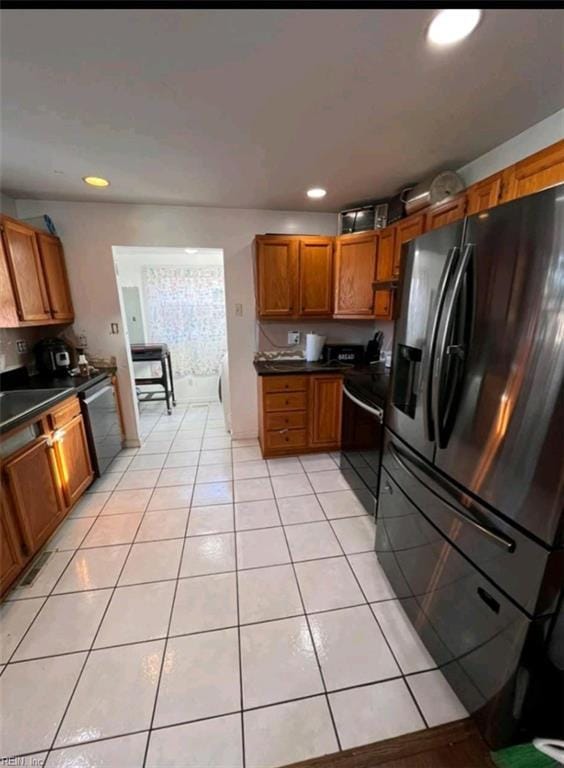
(176, 296)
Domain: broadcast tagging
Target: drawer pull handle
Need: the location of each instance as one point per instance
(490, 601)
(283, 432)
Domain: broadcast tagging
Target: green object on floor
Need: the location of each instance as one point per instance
(522, 756)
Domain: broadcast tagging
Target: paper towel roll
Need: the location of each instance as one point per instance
(314, 346)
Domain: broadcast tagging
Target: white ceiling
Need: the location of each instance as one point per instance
(249, 108)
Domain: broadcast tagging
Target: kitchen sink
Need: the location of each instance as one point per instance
(17, 403)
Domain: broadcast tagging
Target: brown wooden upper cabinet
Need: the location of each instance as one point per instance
(484, 194)
(37, 292)
(355, 271)
(539, 171)
(445, 213)
(54, 268)
(406, 230)
(294, 276)
(386, 250)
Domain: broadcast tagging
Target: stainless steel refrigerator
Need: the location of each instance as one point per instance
(470, 527)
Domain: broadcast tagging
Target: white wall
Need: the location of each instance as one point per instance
(88, 232)
(7, 205)
(537, 137)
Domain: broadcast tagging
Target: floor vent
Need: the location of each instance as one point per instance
(33, 572)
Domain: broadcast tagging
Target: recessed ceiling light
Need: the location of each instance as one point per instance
(316, 192)
(452, 25)
(191, 251)
(96, 181)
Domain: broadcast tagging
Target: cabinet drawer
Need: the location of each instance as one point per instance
(284, 384)
(290, 420)
(279, 401)
(67, 411)
(283, 439)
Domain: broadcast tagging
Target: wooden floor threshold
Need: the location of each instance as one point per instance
(454, 745)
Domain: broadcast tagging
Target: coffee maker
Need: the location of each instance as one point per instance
(52, 357)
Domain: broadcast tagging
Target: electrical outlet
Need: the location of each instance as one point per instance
(82, 340)
(293, 337)
(114, 328)
(21, 346)
(238, 310)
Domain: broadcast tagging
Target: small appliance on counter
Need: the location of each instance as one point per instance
(344, 353)
(52, 357)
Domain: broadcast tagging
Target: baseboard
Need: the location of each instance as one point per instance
(134, 443)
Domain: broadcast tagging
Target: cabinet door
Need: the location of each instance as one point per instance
(484, 194)
(277, 276)
(74, 459)
(11, 556)
(8, 307)
(385, 260)
(26, 272)
(355, 271)
(54, 269)
(539, 171)
(315, 277)
(383, 304)
(35, 492)
(406, 230)
(445, 213)
(325, 409)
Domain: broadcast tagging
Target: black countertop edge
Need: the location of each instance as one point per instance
(76, 383)
(32, 413)
(294, 367)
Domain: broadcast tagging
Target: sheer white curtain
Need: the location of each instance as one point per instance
(185, 308)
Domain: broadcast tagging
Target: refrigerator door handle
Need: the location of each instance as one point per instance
(496, 536)
(442, 349)
(430, 415)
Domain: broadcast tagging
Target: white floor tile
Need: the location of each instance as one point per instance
(268, 593)
(176, 476)
(217, 518)
(206, 494)
(408, 648)
(341, 504)
(105, 483)
(284, 466)
(165, 524)
(356, 534)
(37, 693)
(90, 505)
(300, 509)
(312, 540)
(186, 443)
(212, 443)
(334, 480)
(136, 614)
(328, 584)
(214, 473)
(154, 446)
(15, 618)
(93, 569)
(151, 461)
(287, 733)
(261, 547)
(371, 576)
(182, 459)
(66, 623)
(121, 502)
(253, 489)
(316, 462)
(249, 469)
(115, 695)
(215, 743)
(247, 453)
(351, 648)
(278, 662)
(70, 534)
(208, 554)
(435, 697)
(222, 456)
(374, 712)
(256, 514)
(120, 464)
(291, 485)
(205, 602)
(245, 442)
(113, 529)
(45, 580)
(139, 478)
(125, 752)
(152, 561)
(175, 497)
(200, 677)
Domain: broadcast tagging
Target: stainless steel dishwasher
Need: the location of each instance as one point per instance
(101, 417)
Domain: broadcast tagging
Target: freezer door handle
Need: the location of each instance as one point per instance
(496, 536)
(430, 416)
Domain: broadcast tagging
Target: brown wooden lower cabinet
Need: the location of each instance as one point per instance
(299, 414)
(40, 483)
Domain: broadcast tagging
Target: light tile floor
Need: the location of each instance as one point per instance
(204, 607)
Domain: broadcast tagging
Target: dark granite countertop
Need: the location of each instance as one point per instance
(294, 367)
